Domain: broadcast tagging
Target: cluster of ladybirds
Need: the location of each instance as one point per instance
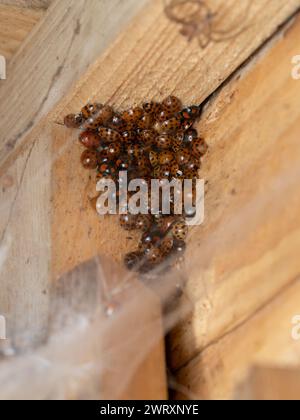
(155, 141)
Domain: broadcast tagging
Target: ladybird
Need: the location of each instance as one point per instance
(151, 237)
(172, 104)
(113, 150)
(179, 247)
(161, 172)
(175, 170)
(128, 136)
(103, 115)
(90, 140)
(134, 150)
(153, 158)
(89, 159)
(186, 124)
(183, 156)
(166, 157)
(147, 136)
(128, 222)
(189, 136)
(152, 108)
(164, 223)
(144, 165)
(172, 124)
(178, 140)
(193, 164)
(164, 141)
(118, 124)
(179, 230)
(166, 245)
(158, 127)
(146, 122)
(133, 260)
(154, 255)
(90, 109)
(123, 163)
(73, 120)
(144, 222)
(164, 115)
(107, 170)
(132, 115)
(190, 173)
(191, 113)
(199, 148)
(109, 135)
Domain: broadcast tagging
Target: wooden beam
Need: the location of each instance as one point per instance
(264, 339)
(150, 65)
(246, 252)
(45, 192)
(71, 36)
(15, 25)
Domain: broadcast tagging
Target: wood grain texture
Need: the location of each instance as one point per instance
(29, 4)
(25, 245)
(151, 59)
(264, 339)
(246, 251)
(71, 36)
(15, 25)
(144, 64)
(267, 383)
(27, 184)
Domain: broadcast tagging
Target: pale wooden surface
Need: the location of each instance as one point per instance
(30, 4)
(271, 384)
(247, 249)
(264, 339)
(27, 183)
(33, 188)
(27, 177)
(71, 36)
(155, 59)
(15, 25)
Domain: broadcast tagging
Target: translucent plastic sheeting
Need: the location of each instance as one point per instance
(98, 336)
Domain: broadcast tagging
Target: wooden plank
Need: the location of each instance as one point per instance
(69, 38)
(265, 339)
(271, 384)
(150, 65)
(44, 191)
(15, 25)
(29, 178)
(246, 251)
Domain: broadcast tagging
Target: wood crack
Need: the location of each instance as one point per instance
(240, 325)
(11, 210)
